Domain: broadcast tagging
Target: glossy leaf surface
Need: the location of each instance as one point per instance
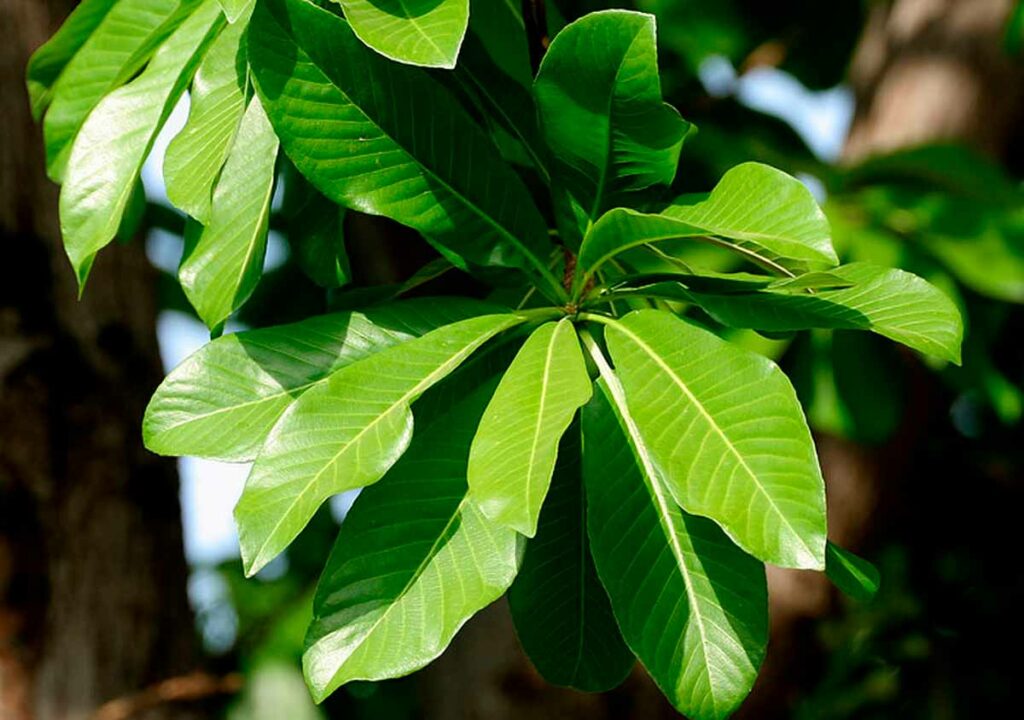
(49, 61)
(113, 143)
(890, 302)
(346, 433)
(515, 447)
(413, 561)
(599, 96)
(119, 46)
(223, 264)
(389, 140)
(758, 207)
(417, 32)
(561, 611)
(196, 155)
(725, 428)
(691, 605)
(222, 401)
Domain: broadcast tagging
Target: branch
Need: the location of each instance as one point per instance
(185, 688)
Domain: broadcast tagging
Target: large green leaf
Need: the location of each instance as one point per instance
(414, 560)
(110, 148)
(601, 111)
(765, 212)
(222, 401)
(346, 433)
(893, 303)
(561, 610)
(49, 61)
(196, 155)
(691, 605)
(222, 265)
(119, 46)
(388, 139)
(417, 32)
(725, 428)
(515, 447)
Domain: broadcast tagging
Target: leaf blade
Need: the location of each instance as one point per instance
(408, 541)
(415, 32)
(513, 453)
(739, 450)
(708, 593)
(358, 423)
(561, 611)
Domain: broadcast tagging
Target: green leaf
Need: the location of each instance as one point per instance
(196, 155)
(561, 611)
(515, 447)
(691, 605)
(346, 433)
(223, 400)
(892, 303)
(601, 112)
(397, 143)
(413, 561)
(222, 265)
(116, 50)
(725, 428)
(416, 32)
(854, 575)
(49, 61)
(316, 231)
(113, 143)
(766, 213)
(235, 10)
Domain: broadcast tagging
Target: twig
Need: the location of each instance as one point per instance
(184, 688)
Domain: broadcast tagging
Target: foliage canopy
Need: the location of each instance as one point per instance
(579, 435)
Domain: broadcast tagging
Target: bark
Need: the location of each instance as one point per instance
(925, 71)
(92, 574)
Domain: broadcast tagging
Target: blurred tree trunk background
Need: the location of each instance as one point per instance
(93, 602)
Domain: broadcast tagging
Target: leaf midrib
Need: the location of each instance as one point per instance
(678, 381)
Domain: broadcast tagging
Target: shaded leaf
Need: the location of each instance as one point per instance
(346, 433)
(397, 144)
(854, 575)
(724, 427)
(561, 611)
(601, 112)
(514, 451)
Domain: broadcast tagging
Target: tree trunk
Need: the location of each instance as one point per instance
(92, 574)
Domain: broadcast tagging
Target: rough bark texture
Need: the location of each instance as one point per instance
(92, 574)
(925, 71)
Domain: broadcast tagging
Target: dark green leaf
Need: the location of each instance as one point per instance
(854, 575)
(561, 610)
(397, 144)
